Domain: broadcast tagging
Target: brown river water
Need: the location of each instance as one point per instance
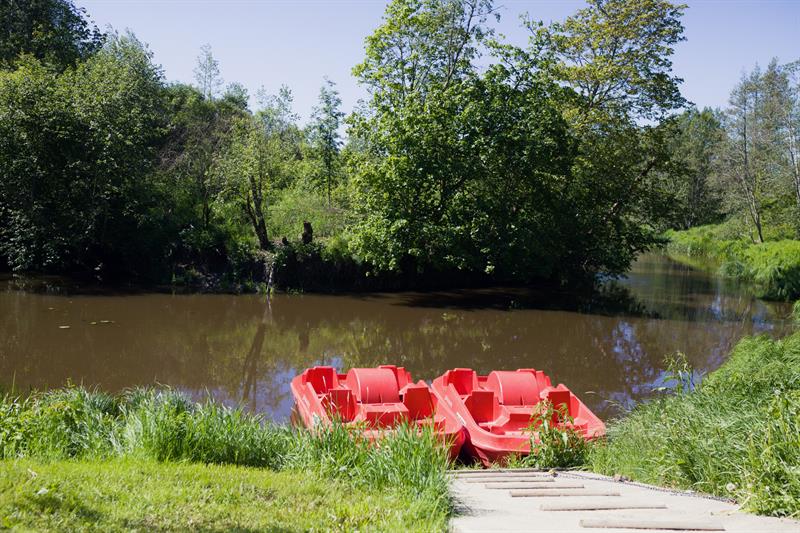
(244, 350)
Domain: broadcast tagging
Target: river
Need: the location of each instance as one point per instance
(244, 350)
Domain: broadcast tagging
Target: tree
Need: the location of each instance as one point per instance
(422, 44)
(53, 31)
(755, 153)
(206, 73)
(76, 151)
(616, 55)
(325, 123)
(694, 142)
(259, 160)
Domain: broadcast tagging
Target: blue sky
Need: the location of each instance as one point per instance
(298, 42)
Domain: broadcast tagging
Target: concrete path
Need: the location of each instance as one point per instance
(517, 500)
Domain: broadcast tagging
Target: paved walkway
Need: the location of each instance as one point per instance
(525, 500)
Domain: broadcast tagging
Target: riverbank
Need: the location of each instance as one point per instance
(773, 267)
(735, 435)
(157, 455)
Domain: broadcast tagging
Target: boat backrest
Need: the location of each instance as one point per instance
(417, 398)
(373, 385)
(321, 378)
(340, 403)
(463, 379)
(401, 375)
(514, 388)
(560, 397)
(483, 405)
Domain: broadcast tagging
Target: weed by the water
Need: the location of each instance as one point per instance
(773, 267)
(555, 443)
(737, 434)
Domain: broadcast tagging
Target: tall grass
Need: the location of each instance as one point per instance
(773, 267)
(737, 434)
(164, 425)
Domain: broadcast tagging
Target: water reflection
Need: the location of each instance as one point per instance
(244, 350)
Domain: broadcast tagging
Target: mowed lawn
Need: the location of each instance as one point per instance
(126, 494)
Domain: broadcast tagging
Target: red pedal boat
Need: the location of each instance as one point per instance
(373, 401)
(497, 410)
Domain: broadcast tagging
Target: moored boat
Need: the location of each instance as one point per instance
(372, 401)
(499, 410)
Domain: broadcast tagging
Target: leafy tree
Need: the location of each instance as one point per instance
(694, 143)
(326, 120)
(53, 31)
(76, 150)
(260, 160)
(206, 73)
(616, 54)
(754, 154)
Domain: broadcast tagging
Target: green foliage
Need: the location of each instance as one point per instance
(75, 150)
(796, 311)
(693, 145)
(773, 267)
(53, 31)
(616, 54)
(493, 171)
(326, 120)
(734, 435)
(555, 444)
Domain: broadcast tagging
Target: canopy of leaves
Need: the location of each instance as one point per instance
(53, 31)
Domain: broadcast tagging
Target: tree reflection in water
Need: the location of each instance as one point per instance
(608, 348)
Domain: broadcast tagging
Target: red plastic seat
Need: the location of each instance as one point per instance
(340, 403)
(321, 378)
(417, 399)
(463, 379)
(383, 415)
(514, 388)
(483, 405)
(373, 385)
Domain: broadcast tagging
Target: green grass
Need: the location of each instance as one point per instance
(125, 494)
(773, 267)
(74, 432)
(736, 435)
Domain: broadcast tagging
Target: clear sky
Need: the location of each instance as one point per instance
(298, 42)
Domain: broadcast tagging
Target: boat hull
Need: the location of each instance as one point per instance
(372, 402)
(499, 410)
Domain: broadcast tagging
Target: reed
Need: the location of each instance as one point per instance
(737, 434)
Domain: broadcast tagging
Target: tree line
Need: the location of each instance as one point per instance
(741, 162)
(556, 160)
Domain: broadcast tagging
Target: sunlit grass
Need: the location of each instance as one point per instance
(162, 426)
(126, 494)
(736, 435)
(772, 267)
